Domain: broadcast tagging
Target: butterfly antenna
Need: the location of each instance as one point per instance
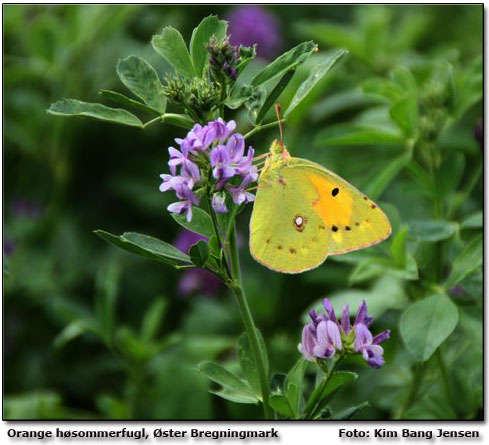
(278, 110)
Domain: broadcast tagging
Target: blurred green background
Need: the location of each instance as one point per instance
(93, 332)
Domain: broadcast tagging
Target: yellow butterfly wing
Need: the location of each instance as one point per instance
(304, 212)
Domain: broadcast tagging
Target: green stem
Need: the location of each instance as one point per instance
(152, 121)
(249, 324)
(261, 127)
(445, 378)
(316, 397)
(465, 193)
(218, 236)
(413, 391)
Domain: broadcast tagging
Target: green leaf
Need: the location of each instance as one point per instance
(201, 222)
(293, 385)
(471, 87)
(72, 107)
(199, 253)
(404, 78)
(280, 404)
(262, 349)
(124, 100)
(274, 95)
(336, 381)
(227, 380)
(431, 230)
(317, 73)
(398, 247)
(255, 103)
(141, 79)
(133, 347)
(352, 133)
(405, 114)
(171, 46)
(368, 269)
(235, 396)
(247, 364)
(208, 27)
(239, 95)
(72, 331)
(467, 261)
(152, 319)
(473, 221)
(384, 88)
(145, 246)
(246, 55)
(215, 247)
(287, 61)
(348, 413)
(449, 175)
(385, 175)
(107, 290)
(426, 324)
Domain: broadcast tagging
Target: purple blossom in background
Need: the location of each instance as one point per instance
(326, 335)
(23, 208)
(195, 280)
(8, 247)
(252, 24)
(224, 150)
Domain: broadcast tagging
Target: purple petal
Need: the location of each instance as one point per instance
(191, 171)
(329, 309)
(375, 356)
(219, 203)
(334, 334)
(308, 342)
(345, 319)
(383, 336)
(362, 313)
(314, 317)
(322, 333)
(177, 207)
(363, 337)
(235, 146)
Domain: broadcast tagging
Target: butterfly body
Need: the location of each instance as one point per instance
(304, 212)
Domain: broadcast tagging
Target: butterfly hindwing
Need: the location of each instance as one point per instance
(285, 232)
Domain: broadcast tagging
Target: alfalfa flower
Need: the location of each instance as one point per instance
(217, 149)
(327, 336)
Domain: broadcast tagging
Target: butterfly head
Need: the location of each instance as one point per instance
(279, 150)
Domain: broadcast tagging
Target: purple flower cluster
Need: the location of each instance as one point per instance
(325, 336)
(213, 144)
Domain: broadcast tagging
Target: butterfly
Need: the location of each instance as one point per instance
(303, 212)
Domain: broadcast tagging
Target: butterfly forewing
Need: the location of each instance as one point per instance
(304, 212)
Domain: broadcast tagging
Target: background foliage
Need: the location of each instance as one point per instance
(93, 332)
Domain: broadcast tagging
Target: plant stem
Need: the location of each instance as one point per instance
(218, 236)
(413, 391)
(261, 127)
(152, 121)
(446, 378)
(249, 324)
(313, 402)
